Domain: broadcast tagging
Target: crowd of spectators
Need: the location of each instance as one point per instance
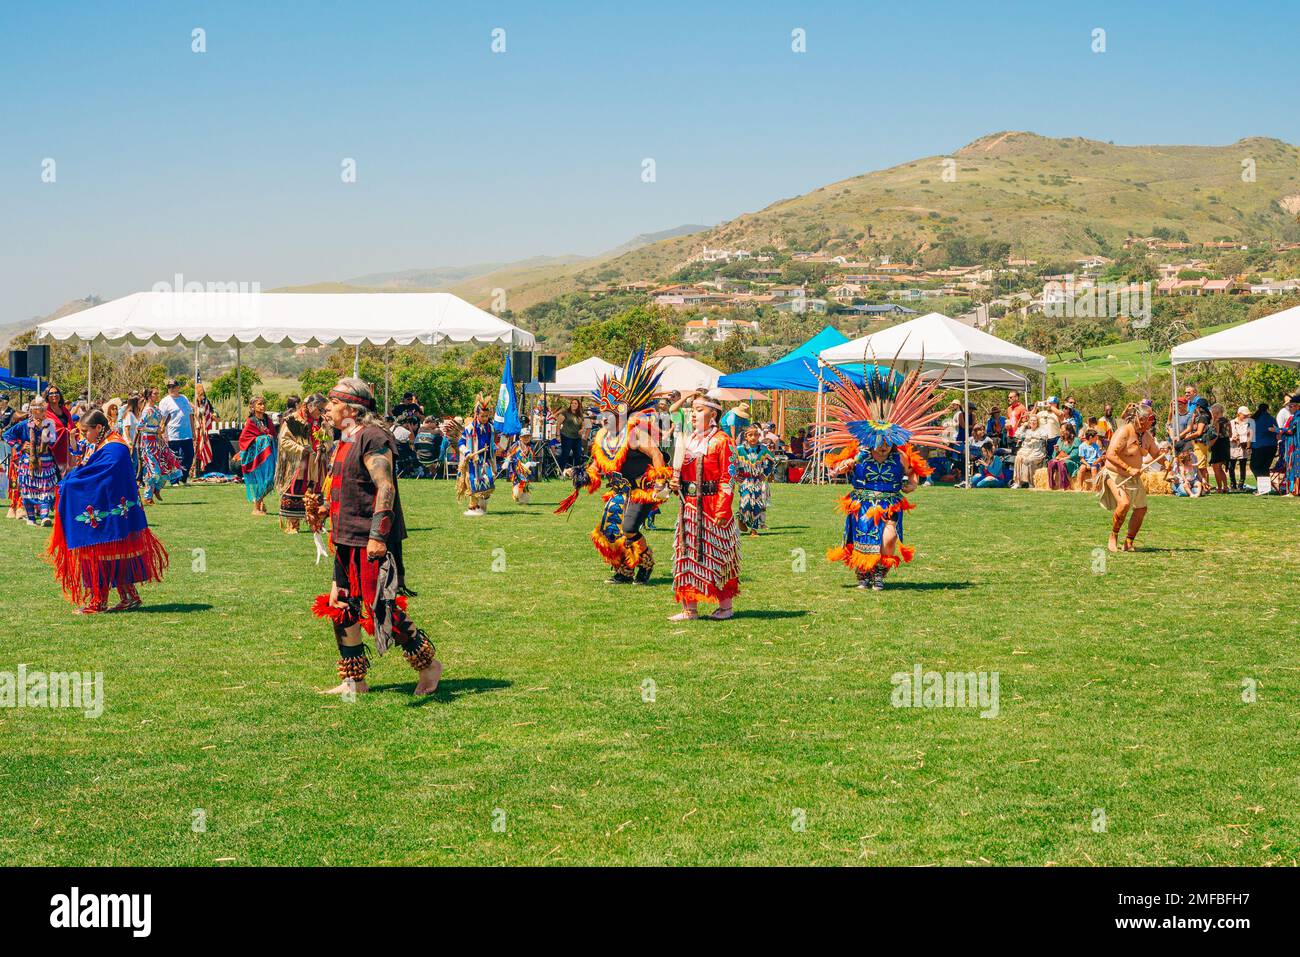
(1203, 450)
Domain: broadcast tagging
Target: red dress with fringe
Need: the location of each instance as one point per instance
(706, 545)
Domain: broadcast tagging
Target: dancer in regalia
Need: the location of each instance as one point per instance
(366, 525)
(626, 458)
(158, 461)
(32, 442)
(478, 459)
(876, 430)
(205, 419)
(753, 467)
(257, 455)
(101, 539)
(1288, 448)
(706, 546)
(519, 464)
(302, 462)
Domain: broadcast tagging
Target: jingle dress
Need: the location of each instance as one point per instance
(753, 468)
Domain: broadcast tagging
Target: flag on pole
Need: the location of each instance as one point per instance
(506, 419)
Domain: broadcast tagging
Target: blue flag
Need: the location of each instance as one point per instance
(506, 419)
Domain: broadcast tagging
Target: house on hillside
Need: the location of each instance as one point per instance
(788, 292)
(716, 330)
(1276, 287)
(890, 310)
(800, 305)
(847, 292)
(1223, 287)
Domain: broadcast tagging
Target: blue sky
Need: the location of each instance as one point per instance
(225, 166)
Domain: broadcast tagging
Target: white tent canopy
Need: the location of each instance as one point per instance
(1274, 338)
(578, 379)
(971, 358)
(979, 377)
(941, 341)
(274, 318)
(220, 318)
(683, 373)
(686, 374)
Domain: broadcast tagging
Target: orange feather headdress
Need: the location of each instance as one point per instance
(890, 408)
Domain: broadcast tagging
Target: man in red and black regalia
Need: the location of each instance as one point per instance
(366, 526)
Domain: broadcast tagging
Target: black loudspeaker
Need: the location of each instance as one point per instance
(38, 362)
(18, 363)
(522, 364)
(546, 368)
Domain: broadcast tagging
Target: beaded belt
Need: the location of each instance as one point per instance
(701, 488)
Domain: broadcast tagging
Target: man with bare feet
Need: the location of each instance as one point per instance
(366, 525)
(1121, 487)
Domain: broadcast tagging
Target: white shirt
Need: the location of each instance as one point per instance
(1049, 423)
(402, 433)
(127, 423)
(177, 411)
(1283, 417)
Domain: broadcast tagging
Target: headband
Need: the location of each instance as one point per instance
(350, 398)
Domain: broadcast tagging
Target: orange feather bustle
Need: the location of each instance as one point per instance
(910, 407)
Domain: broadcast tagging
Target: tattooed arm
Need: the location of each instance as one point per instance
(380, 466)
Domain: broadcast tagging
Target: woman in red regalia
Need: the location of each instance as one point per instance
(706, 547)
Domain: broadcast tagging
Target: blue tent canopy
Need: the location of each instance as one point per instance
(793, 375)
(795, 372)
(16, 382)
(828, 337)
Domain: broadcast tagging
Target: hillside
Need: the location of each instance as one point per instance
(13, 329)
(441, 277)
(1048, 198)
(476, 282)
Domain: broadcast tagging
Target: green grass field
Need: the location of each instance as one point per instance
(1121, 692)
(1124, 361)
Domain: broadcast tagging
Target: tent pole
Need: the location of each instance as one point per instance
(817, 417)
(356, 361)
(196, 365)
(965, 416)
(239, 382)
(387, 350)
(90, 370)
(1173, 406)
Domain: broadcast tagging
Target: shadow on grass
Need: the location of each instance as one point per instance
(174, 606)
(1152, 548)
(921, 586)
(768, 614)
(449, 689)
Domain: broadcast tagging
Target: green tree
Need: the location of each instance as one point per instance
(615, 338)
(225, 386)
(444, 389)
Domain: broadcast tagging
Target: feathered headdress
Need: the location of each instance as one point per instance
(482, 403)
(889, 409)
(634, 391)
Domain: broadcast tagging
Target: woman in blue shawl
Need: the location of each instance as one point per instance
(257, 453)
(101, 539)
